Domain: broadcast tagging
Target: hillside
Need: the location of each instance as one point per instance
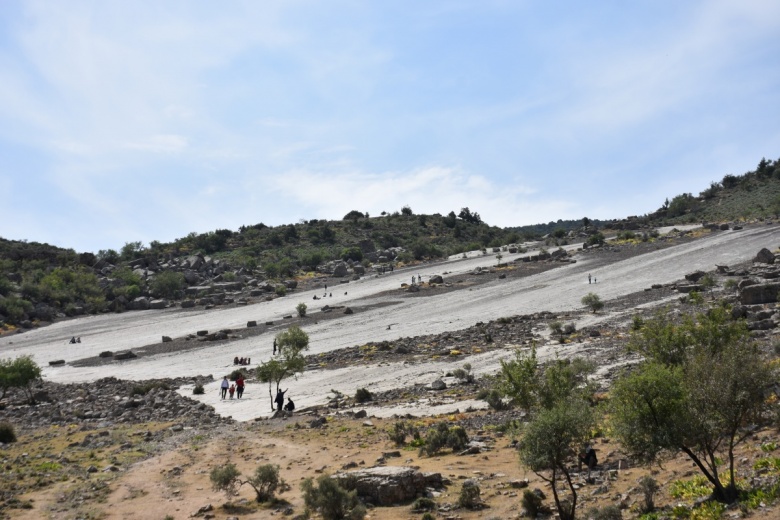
(39, 282)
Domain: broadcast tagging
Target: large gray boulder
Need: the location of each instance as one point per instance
(759, 293)
(340, 270)
(765, 256)
(695, 276)
(388, 485)
(158, 304)
(436, 279)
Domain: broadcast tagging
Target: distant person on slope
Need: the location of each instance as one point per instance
(224, 386)
(280, 399)
(290, 406)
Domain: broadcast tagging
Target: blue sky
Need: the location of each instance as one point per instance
(148, 120)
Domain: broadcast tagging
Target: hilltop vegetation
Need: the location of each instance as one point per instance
(41, 282)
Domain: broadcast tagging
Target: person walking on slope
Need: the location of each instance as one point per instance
(240, 386)
(588, 278)
(224, 386)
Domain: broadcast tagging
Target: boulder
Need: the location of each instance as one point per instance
(139, 304)
(695, 276)
(340, 270)
(759, 293)
(765, 256)
(127, 354)
(57, 362)
(252, 323)
(724, 227)
(437, 278)
(438, 385)
(388, 485)
(166, 339)
(359, 270)
(187, 304)
(158, 304)
(348, 311)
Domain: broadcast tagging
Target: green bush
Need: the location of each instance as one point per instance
(442, 436)
(148, 387)
(469, 494)
(331, 500)
(610, 512)
(198, 390)
(593, 301)
(362, 395)
(493, 399)
(7, 433)
(649, 488)
(401, 429)
(301, 309)
(281, 290)
(167, 283)
(423, 504)
(532, 503)
(235, 373)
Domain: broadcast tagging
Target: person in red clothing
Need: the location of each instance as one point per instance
(232, 390)
(240, 386)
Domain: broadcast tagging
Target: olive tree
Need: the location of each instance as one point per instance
(552, 441)
(702, 383)
(593, 301)
(265, 481)
(291, 343)
(21, 373)
(531, 386)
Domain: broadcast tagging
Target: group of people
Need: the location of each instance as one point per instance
(279, 400)
(419, 279)
(241, 361)
(589, 279)
(75, 339)
(236, 388)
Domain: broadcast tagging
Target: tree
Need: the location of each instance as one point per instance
(499, 256)
(291, 344)
(331, 500)
(702, 384)
(21, 372)
(301, 308)
(407, 211)
(593, 301)
(550, 443)
(585, 222)
(265, 481)
(167, 283)
(354, 215)
(533, 387)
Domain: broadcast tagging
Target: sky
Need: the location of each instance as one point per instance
(148, 120)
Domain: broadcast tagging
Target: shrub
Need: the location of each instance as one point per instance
(442, 436)
(7, 433)
(198, 390)
(593, 301)
(331, 500)
(265, 480)
(362, 395)
(532, 503)
(400, 430)
(427, 516)
(637, 322)
(21, 372)
(281, 290)
(469, 494)
(423, 504)
(610, 512)
(167, 283)
(301, 308)
(649, 487)
(596, 238)
(235, 373)
(494, 401)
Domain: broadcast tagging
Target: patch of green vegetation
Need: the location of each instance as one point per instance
(696, 487)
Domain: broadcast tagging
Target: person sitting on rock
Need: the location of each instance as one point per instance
(73, 339)
(290, 406)
(235, 360)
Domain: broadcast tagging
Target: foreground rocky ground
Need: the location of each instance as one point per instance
(119, 449)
